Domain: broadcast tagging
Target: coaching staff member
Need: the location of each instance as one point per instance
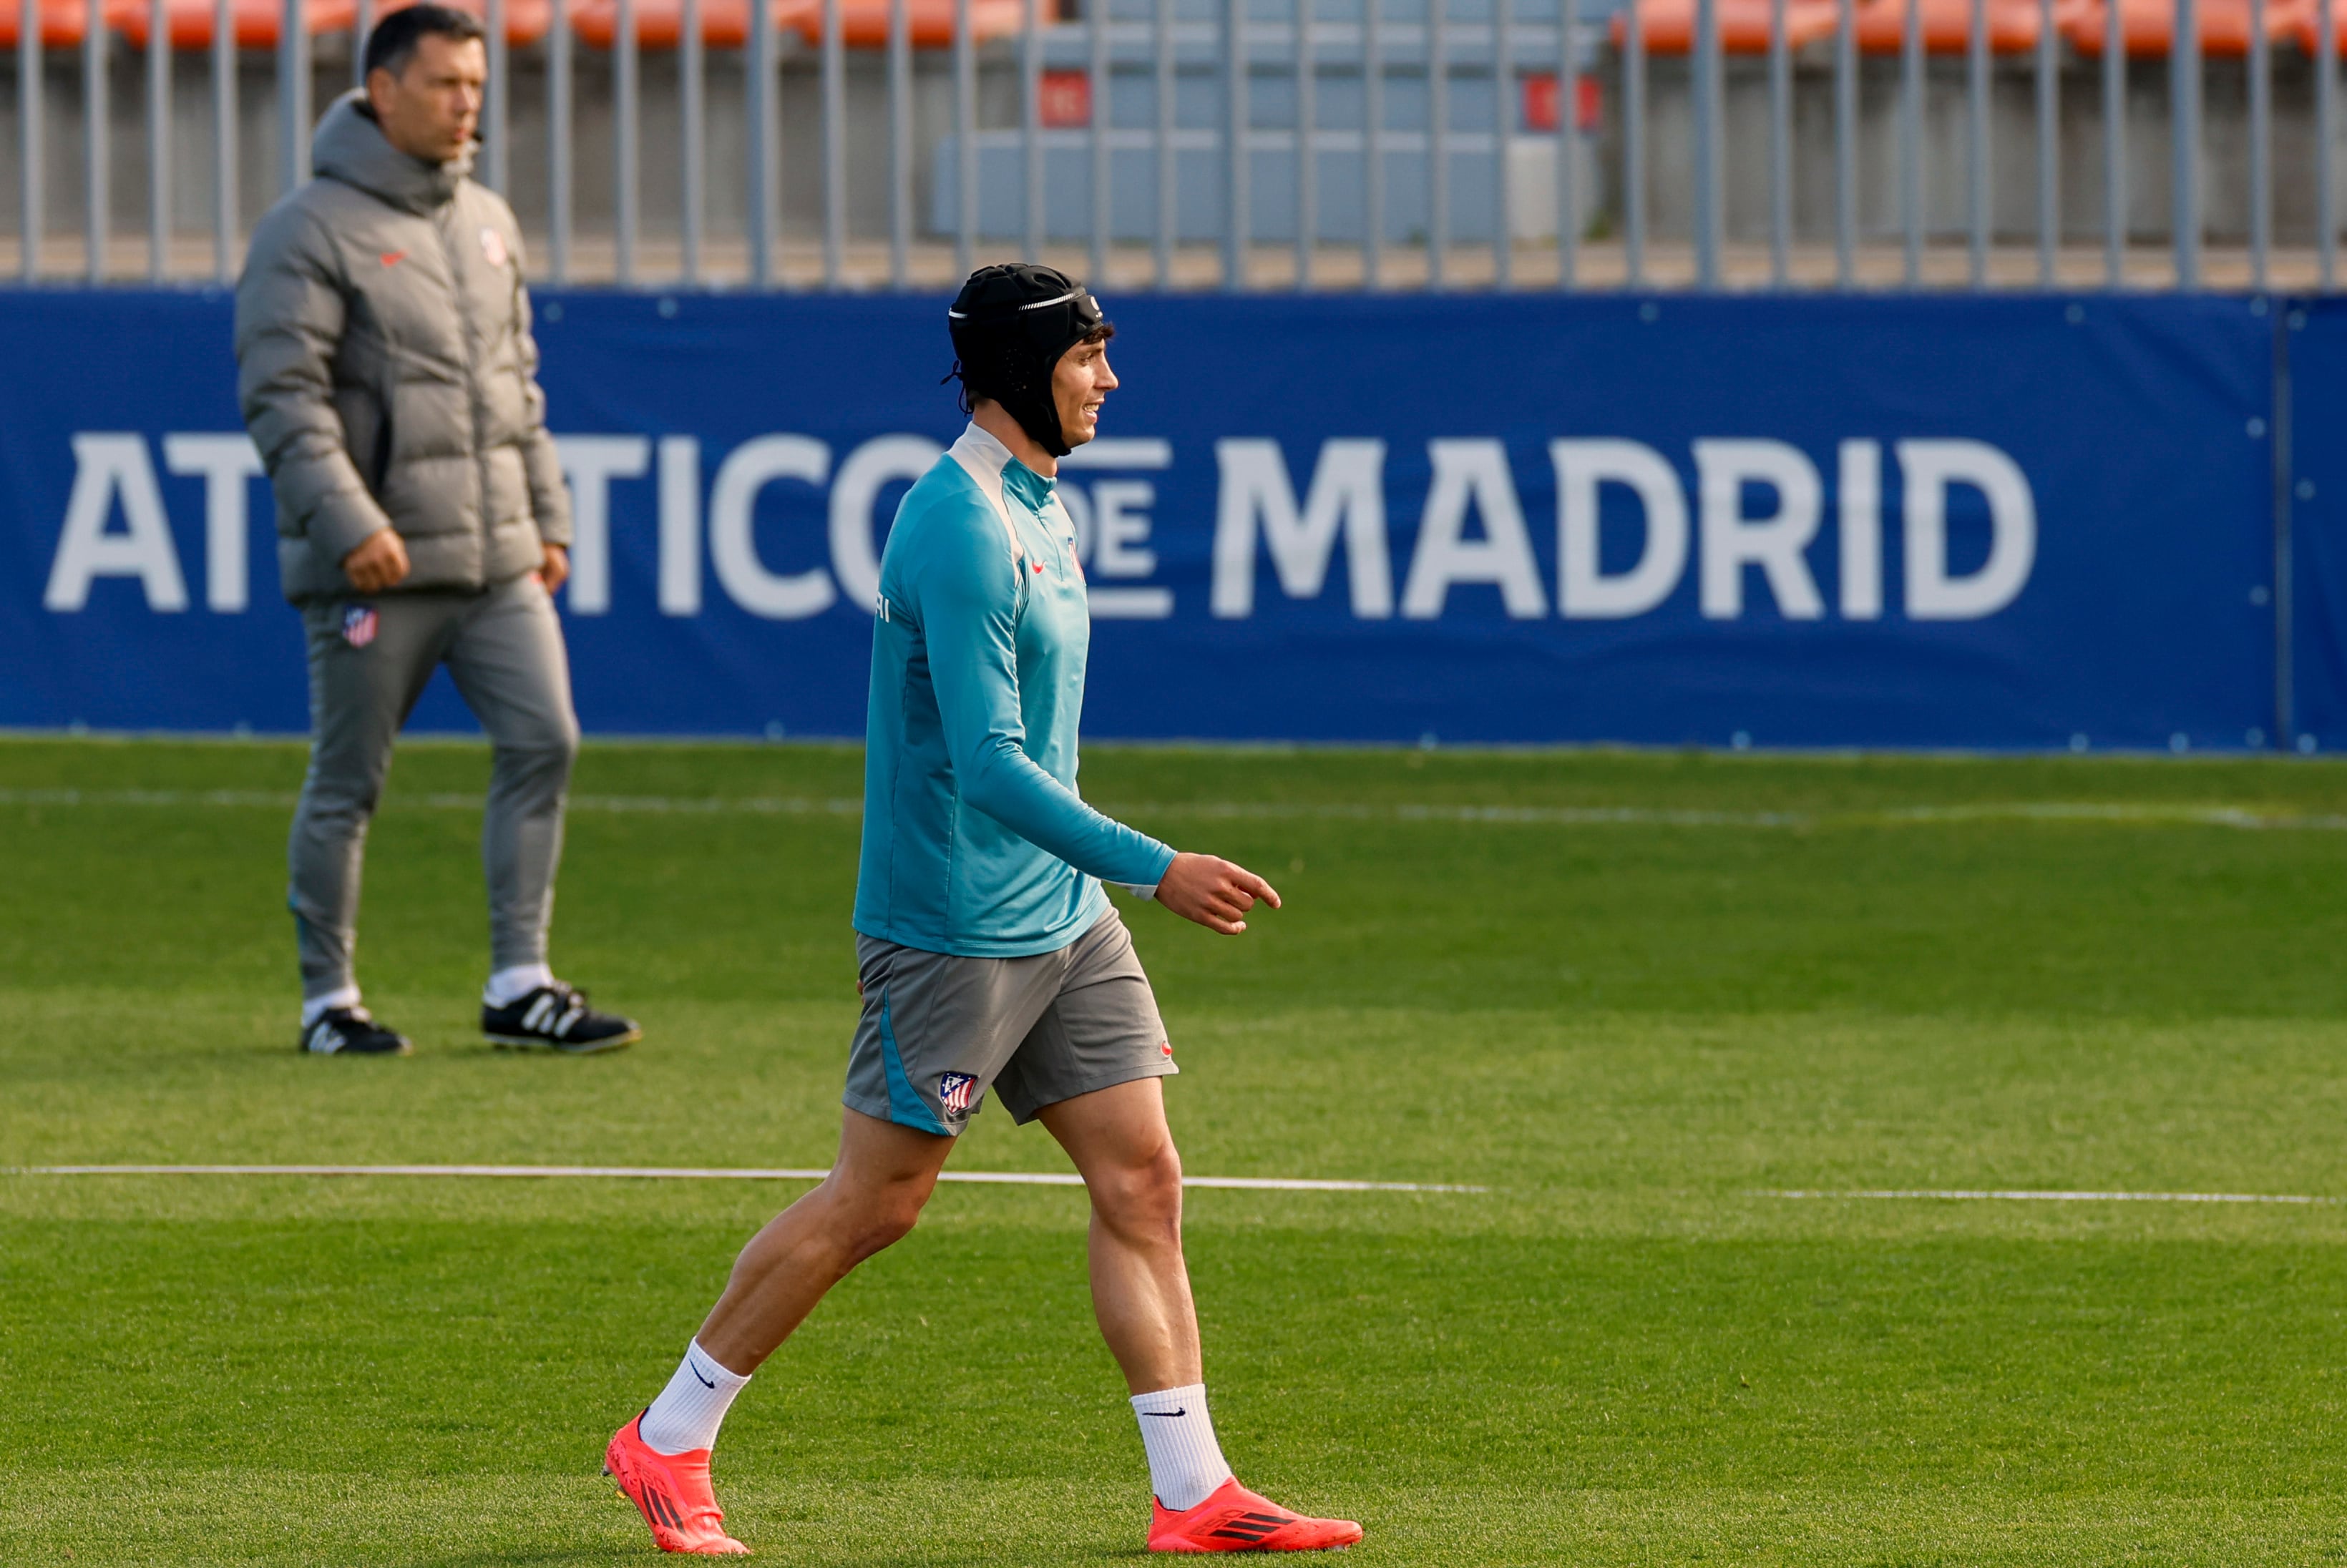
(386, 371)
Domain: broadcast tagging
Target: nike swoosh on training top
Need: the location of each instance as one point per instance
(393, 257)
(1182, 1412)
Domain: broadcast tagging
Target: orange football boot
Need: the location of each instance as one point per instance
(1235, 1520)
(672, 1491)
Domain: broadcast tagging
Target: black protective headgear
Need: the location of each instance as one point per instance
(1010, 325)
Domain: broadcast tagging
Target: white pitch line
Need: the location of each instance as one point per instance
(2107, 813)
(2025, 1195)
(711, 1172)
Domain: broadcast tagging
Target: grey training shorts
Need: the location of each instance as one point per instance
(938, 1030)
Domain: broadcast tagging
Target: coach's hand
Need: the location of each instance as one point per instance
(556, 569)
(1213, 892)
(378, 563)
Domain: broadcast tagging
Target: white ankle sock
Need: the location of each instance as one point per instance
(317, 1007)
(687, 1414)
(510, 985)
(1186, 1463)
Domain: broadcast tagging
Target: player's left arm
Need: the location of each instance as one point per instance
(968, 605)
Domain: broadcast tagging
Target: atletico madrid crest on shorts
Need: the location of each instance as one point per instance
(358, 624)
(957, 1091)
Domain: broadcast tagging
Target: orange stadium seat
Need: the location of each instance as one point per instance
(257, 21)
(1948, 26)
(2149, 27)
(63, 24)
(527, 21)
(189, 23)
(1668, 25)
(864, 24)
(2305, 23)
(659, 23)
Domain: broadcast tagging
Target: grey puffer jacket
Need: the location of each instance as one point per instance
(386, 370)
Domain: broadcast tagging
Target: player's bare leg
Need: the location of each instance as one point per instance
(871, 1198)
(1140, 1293)
(1141, 1286)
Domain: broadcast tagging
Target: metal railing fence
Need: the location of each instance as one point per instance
(1251, 144)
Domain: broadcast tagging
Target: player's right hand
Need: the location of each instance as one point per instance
(379, 563)
(1213, 892)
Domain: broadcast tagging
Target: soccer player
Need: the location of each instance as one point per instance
(988, 957)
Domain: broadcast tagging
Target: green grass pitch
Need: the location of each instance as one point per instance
(1765, 973)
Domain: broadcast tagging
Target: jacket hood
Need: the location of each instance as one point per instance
(349, 146)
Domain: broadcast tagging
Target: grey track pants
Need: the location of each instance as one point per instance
(504, 648)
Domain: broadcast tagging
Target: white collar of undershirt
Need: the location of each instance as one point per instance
(983, 457)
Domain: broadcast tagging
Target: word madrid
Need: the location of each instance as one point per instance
(1626, 528)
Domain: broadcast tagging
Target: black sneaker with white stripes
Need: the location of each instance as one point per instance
(557, 1017)
(352, 1032)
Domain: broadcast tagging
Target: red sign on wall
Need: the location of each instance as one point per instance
(1540, 102)
(1065, 102)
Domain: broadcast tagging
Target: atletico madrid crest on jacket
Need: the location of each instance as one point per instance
(957, 1091)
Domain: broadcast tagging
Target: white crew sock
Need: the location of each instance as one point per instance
(317, 1007)
(1186, 1463)
(510, 985)
(687, 1414)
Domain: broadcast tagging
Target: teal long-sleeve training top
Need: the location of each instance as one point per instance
(975, 839)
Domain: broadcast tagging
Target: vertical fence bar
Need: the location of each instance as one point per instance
(1781, 150)
(362, 26)
(2326, 142)
(1031, 126)
(834, 146)
(1634, 144)
(1169, 211)
(900, 144)
(1373, 133)
(1845, 124)
(2048, 84)
(1438, 139)
(626, 104)
(2184, 130)
(32, 223)
(765, 142)
(1307, 181)
(159, 141)
(1099, 73)
(497, 167)
(95, 153)
(693, 135)
(1910, 143)
(2115, 170)
(1504, 125)
(1568, 148)
(225, 141)
(558, 145)
(292, 95)
(965, 69)
(1977, 147)
(1707, 96)
(2261, 144)
(1235, 148)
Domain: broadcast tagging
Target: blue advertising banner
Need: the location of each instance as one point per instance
(2312, 501)
(2028, 521)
